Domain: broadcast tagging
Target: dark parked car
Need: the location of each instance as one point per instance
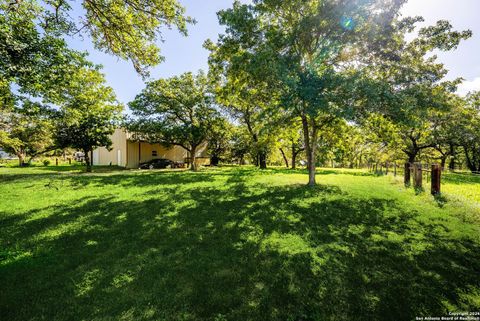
(156, 163)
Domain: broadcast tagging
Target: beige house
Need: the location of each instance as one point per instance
(129, 153)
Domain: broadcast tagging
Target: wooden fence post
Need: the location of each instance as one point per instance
(417, 168)
(395, 169)
(69, 161)
(56, 161)
(436, 178)
(406, 175)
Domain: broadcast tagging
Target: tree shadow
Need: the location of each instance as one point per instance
(461, 178)
(321, 171)
(79, 168)
(235, 252)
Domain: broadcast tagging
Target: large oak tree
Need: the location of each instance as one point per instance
(27, 132)
(175, 111)
(306, 51)
(315, 54)
(89, 115)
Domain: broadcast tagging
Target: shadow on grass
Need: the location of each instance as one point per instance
(113, 177)
(321, 171)
(14, 174)
(235, 253)
(461, 178)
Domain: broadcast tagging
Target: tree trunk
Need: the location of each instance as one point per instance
(284, 157)
(412, 151)
(88, 161)
(294, 159)
(310, 146)
(451, 165)
(411, 156)
(470, 164)
(443, 161)
(21, 159)
(193, 158)
(311, 168)
(262, 160)
(295, 153)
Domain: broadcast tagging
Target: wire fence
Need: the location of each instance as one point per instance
(398, 168)
(416, 172)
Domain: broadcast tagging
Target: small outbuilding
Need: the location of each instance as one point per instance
(5, 155)
(129, 152)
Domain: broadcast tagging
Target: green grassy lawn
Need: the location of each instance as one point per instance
(233, 244)
(464, 187)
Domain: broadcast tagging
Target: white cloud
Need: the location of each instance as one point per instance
(468, 85)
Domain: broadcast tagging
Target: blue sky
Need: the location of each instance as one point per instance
(187, 54)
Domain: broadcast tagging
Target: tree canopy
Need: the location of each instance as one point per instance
(128, 29)
(90, 115)
(319, 58)
(175, 111)
(27, 134)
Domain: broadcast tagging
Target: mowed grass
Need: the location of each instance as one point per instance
(232, 244)
(465, 187)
